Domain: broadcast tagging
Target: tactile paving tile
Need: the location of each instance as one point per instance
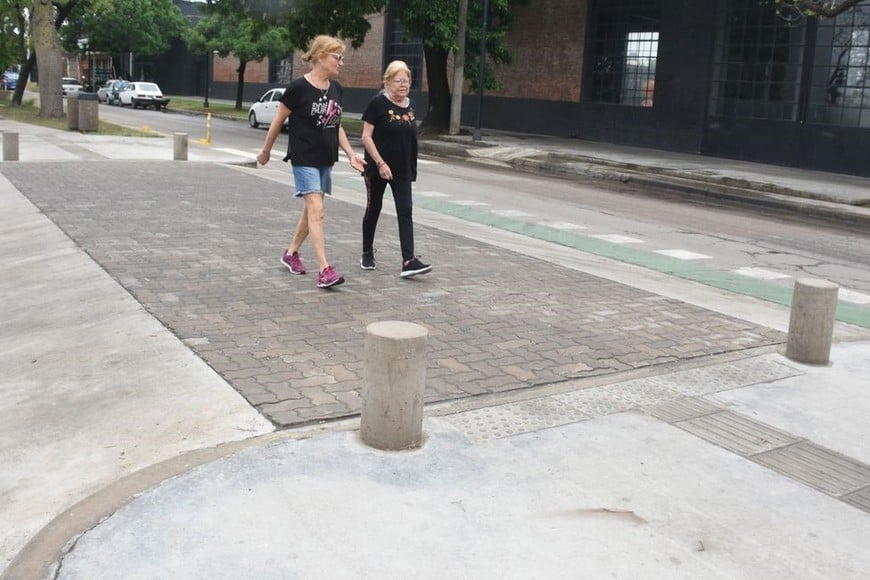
(681, 409)
(737, 433)
(860, 499)
(721, 377)
(819, 468)
(598, 401)
(500, 421)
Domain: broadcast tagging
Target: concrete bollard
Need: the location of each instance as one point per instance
(395, 377)
(179, 146)
(10, 146)
(811, 326)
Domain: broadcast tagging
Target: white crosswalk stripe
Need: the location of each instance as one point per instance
(684, 255)
(760, 274)
(617, 239)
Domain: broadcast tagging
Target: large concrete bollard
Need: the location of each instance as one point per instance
(395, 377)
(10, 146)
(179, 146)
(811, 326)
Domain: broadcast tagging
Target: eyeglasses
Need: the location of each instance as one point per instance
(402, 82)
(338, 57)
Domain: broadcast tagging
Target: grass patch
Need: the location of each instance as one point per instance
(28, 113)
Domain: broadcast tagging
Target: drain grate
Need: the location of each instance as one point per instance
(820, 468)
(737, 433)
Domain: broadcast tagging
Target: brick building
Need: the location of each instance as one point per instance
(727, 78)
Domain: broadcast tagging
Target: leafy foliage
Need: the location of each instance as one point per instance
(12, 23)
(797, 10)
(146, 27)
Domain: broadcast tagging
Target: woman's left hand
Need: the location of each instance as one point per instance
(358, 162)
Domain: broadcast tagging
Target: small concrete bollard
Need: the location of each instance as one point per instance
(811, 325)
(179, 146)
(10, 146)
(395, 377)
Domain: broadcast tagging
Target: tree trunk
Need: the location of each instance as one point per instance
(240, 86)
(23, 78)
(438, 116)
(46, 44)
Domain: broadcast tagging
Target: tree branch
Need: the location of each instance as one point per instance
(826, 8)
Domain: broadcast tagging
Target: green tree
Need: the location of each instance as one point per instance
(246, 29)
(435, 22)
(146, 27)
(13, 28)
(825, 8)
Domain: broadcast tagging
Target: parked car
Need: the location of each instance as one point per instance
(114, 95)
(263, 111)
(10, 80)
(141, 94)
(69, 85)
(106, 89)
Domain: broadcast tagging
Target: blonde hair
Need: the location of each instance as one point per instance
(322, 45)
(395, 68)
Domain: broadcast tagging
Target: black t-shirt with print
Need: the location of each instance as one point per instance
(395, 136)
(315, 116)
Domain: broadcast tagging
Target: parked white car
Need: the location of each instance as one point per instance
(69, 85)
(263, 111)
(141, 94)
(105, 91)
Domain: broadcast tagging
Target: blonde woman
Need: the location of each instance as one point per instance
(313, 103)
(389, 136)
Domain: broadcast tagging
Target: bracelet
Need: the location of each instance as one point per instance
(380, 163)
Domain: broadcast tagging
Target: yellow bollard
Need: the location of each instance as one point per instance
(207, 140)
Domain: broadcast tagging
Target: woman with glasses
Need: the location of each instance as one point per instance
(389, 136)
(313, 103)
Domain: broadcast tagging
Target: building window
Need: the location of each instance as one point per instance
(408, 50)
(623, 50)
(840, 92)
(757, 63)
(280, 71)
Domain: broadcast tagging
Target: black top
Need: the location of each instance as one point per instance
(395, 136)
(315, 116)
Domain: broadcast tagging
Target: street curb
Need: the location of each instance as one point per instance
(735, 191)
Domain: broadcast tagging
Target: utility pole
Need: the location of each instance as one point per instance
(458, 70)
(481, 72)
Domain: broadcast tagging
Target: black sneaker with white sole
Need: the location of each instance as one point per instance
(414, 267)
(367, 262)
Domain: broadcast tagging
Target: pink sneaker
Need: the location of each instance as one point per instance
(329, 277)
(293, 262)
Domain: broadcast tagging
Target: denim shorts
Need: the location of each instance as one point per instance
(312, 180)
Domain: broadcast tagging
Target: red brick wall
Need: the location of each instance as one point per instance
(362, 66)
(547, 39)
(224, 70)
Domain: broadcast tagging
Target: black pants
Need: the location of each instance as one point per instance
(375, 188)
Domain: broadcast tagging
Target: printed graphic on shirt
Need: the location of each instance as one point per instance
(406, 118)
(326, 112)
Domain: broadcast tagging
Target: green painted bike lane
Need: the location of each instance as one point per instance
(846, 312)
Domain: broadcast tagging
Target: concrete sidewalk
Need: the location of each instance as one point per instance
(128, 452)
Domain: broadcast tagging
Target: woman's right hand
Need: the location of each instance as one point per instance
(384, 172)
(263, 157)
